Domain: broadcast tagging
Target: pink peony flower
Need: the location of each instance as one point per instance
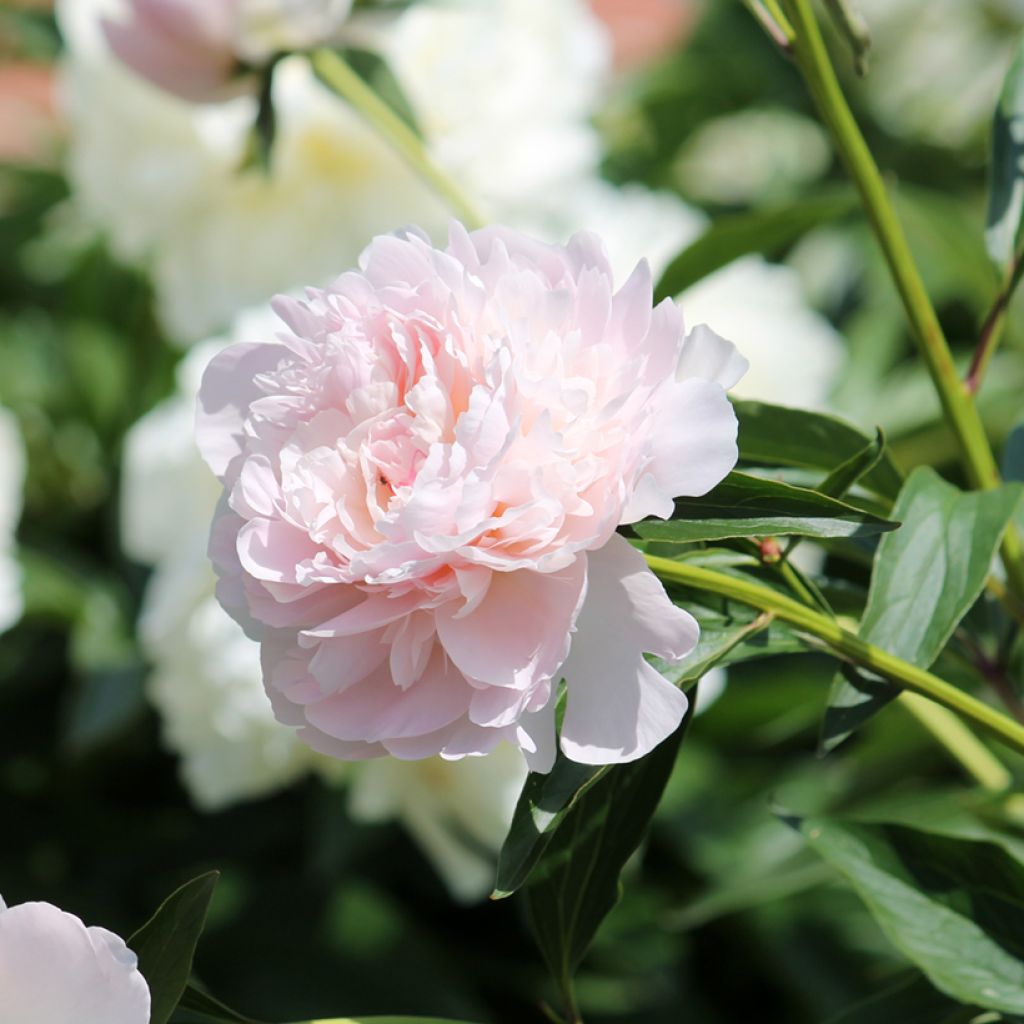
(196, 49)
(423, 482)
(54, 970)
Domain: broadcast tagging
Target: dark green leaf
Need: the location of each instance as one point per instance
(750, 506)
(774, 434)
(926, 576)
(855, 697)
(766, 231)
(910, 1000)
(543, 805)
(166, 943)
(1006, 181)
(847, 473)
(1013, 454)
(576, 882)
(954, 907)
(545, 800)
(208, 1008)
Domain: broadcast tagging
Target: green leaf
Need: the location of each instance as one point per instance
(1005, 219)
(166, 943)
(847, 473)
(543, 804)
(749, 506)
(576, 882)
(767, 230)
(926, 576)
(205, 1006)
(953, 907)
(545, 800)
(777, 435)
(1013, 454)
(929, 573)
(910, 1000)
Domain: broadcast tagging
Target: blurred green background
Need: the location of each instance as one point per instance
(725, 916)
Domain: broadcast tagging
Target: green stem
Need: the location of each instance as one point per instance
(976, 454)
(965, 747)
(334, 72)
(845, 644)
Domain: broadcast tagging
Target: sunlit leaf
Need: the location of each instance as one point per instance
(926, 576)
(777, 435)
(748, 506)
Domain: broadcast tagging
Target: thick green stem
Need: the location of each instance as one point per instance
(347, 84)
(844, 644)
(812, 58)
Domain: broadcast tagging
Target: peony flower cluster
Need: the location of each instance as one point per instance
(423, 484)
(54, 970)
(198, 49)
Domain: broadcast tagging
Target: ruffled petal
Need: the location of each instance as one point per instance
(618, 707)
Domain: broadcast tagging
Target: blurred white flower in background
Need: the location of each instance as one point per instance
(12, 476)
(503, 89)
(206, 681)
(936, 66)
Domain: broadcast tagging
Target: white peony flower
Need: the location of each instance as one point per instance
(12, 475)
(54, 970)
(206, 682)
(503, 89)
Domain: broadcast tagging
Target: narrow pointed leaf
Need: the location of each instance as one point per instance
(166, 943)
(847, 473)
(750, 506)
(576, 882)
(777, 435)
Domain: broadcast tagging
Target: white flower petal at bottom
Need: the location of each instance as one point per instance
(619, 708)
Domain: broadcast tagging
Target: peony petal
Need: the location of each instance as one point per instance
(618, 707)
(709, 356)
(53, 968)
(227, 390)
(376, 710)
(693, 448)
(519, 633)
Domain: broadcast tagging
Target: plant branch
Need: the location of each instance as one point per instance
(992, 328)
(960, 412)
(844, 644)
(333, 71)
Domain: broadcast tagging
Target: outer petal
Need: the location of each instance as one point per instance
(519, 633)
(227, 390)
(55, 970)
(693, 447)
(709, 356)
(618, 707)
